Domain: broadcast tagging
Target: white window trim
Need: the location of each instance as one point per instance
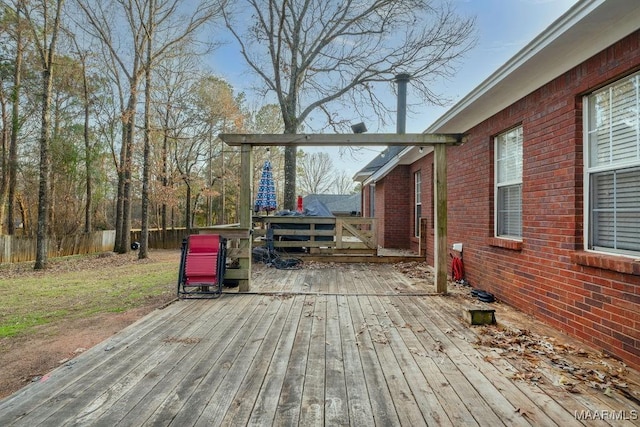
(496, 186)
(589, 170)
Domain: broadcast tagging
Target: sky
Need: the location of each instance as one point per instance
(503, 28)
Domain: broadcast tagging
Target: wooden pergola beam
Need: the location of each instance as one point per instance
(438, 141)
(342, 140)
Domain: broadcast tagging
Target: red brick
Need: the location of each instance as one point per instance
(548, 274)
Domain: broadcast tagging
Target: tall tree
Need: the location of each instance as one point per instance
(175, 30)
(10, 133)
(316, 173)
(45, 36)
(125, 59)
(343, 184)
(172, 23)
(146, 156)
(311, 53)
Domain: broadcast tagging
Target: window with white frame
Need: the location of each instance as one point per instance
(612, 167)
(508, 184)
(418, 197)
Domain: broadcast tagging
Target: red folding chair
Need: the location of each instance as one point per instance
(202, 266)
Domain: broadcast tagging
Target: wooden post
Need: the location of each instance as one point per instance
(440, 217)
(246, 182)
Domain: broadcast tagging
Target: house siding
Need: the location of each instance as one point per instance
(591, 296)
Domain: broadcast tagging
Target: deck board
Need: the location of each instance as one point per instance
(355, 344)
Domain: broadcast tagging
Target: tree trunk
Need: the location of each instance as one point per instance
(188, 209)
(119, 222)
(47, 56)
(146, 161)
(45, 166)
(15, 129)
(88, 208)
(165, 177)
(4, 166)
(290, 169)
(290, 177)
(123, 208)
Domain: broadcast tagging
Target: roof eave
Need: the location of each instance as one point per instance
(583, 31)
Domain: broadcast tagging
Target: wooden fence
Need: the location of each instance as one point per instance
(320, 235)
(23, 249)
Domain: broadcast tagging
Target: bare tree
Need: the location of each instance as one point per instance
(312, 53)
(163, 24)
(343, 184)
(45, 26)
(315, 173)
(10, 133)
(125, 59)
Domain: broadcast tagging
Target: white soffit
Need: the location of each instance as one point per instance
(589, 27)
(406, 157)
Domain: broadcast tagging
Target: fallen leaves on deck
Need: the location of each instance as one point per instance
(573, 365)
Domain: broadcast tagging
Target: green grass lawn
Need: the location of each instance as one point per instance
(82, 288)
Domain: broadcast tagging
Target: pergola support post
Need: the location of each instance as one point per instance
(440, 217)
(245, 214)
(438, 141)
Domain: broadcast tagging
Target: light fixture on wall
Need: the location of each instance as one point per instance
(359, 128)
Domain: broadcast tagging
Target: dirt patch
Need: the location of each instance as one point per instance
(27, 358)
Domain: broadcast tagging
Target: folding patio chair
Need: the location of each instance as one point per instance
(202, 266)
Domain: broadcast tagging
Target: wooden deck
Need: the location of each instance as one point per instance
(353, 344)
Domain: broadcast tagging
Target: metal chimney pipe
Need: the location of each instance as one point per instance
(402, 79)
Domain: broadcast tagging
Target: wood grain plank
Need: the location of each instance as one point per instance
(150, 393)
(246, 396)
(122, 396)
(188, 398)
(423, 393)
(22, 402)
(403, 399)
(266, 402)
(501, 410)
(586, 399)
(452, 404)
(359, 405)
(66, 397)
(336, 407)
(384, 411)
(553, 413)
(312, 411)
(455, 378)
(221, 399)
(288, 410)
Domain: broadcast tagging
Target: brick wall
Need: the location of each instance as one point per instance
(590, 296)
(425, 166)
(393, 203)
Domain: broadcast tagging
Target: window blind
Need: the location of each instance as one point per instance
(614, 166)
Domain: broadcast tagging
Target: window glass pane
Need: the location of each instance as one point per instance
(615, 217)
(613, 124)
(510, 211)
(509, 183)
(509, 156)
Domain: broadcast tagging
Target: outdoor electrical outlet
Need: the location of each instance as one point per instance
(457, 247)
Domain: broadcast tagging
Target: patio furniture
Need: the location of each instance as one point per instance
(202, 266)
